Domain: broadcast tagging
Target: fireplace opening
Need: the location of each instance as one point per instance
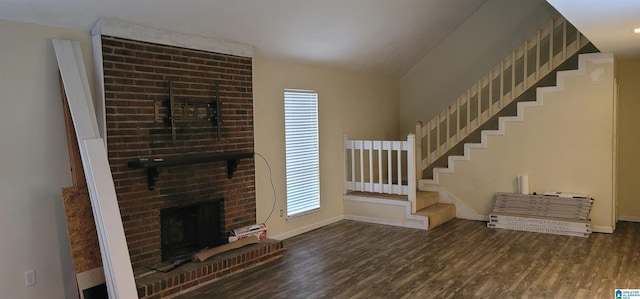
(188, 229)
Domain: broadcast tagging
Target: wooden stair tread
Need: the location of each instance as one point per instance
(438, 213)
(426, 199)
(434, 209)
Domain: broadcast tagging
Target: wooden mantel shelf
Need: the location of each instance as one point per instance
(152, 164)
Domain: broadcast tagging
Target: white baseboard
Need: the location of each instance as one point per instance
(387, 222)
(484, 218)
(307, 228)
(602, 229)
(629, 218)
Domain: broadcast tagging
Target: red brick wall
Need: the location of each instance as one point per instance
(136, 75)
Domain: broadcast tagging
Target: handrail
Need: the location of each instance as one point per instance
(364, 173)
(552, 45)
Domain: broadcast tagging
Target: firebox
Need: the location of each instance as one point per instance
(188, 229)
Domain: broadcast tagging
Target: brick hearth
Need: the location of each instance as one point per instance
(192, 275)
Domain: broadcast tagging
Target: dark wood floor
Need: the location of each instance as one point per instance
(460, 259)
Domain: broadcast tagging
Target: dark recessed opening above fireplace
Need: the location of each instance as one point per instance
(188, 229)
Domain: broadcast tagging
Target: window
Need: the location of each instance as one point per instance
(302, 151)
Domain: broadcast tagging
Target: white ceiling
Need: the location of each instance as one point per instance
(608, 24)
(387, 36)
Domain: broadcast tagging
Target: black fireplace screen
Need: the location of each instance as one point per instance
(188, 229)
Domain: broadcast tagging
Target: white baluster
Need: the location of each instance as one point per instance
(411, 171)
(379, 148)
(418, 149)
(370, 145)
(438, 143)
(389, 167)
(429, 136)
(479, 92)
(361, 147)
(398, 147)
(537, 55)
(564, 40)
(501, 84)
(459, 135)
(448, 120)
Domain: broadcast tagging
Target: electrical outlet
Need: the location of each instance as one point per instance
(281, 213)
(30, 278)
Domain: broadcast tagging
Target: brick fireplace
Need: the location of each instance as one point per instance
(138, 77)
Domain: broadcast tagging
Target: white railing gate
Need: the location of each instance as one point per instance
(381, 166)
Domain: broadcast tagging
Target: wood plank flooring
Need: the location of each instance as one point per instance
(460, 259)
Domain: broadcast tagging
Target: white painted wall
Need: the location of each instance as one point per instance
(476, 46)
(566, 145)
(629, 143)
(360, 105)
(34, 164)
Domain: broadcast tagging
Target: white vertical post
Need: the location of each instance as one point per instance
(389, 166)
(468, 94)
(380, 166)
(448, 120)
(438, 135)
(458, 133)
(370, 142)
(502, 84)
(578, 40)
(525, 77)
(564, 40)
(411, 171)
(429, 136)
(479, 91)
(551, 63)
(398, 149)
(538, 55)
(490, 93)
(361, 142)
(513, 77)
(353, 163)
(418, 149)
(346, 163)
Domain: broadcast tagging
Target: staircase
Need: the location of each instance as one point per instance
(395, 199)
(555, 47)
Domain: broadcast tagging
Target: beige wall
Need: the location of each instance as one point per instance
(360, 105)
(629, 139)
(476, 46)
(566, 145)
(34, 164)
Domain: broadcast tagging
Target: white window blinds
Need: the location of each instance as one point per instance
(302, 151)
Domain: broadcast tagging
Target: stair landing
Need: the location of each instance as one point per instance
(378, 195)
(383, 208)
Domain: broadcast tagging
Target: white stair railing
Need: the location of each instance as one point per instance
(552, 45)
(381, 166)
